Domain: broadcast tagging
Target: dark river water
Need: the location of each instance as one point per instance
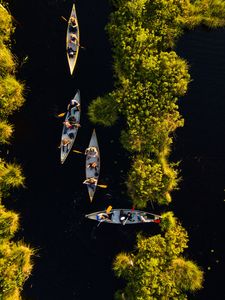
(74, 257)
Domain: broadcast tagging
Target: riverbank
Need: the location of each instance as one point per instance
(15, 264)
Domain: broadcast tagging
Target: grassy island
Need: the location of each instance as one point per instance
(149, 80)
(15, 256)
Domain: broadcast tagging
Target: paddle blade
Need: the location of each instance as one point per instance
(61, 115)
(104, 186)
(76, 151)
(109, 208)
(63, 18)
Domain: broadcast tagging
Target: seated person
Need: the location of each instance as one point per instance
(71, 52)
(125, 217)
(103, 217)
(73, 104)
(91, 151)
(91, 181)
(68, 124)
(73, 24)
(73, 38)
(65, 142)
(92, 165)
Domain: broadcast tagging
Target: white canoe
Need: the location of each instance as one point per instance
(70, 133)
(118, 216)
(72, 46)
(92, 173)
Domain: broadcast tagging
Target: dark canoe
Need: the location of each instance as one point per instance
(74, 46)
(137, 216)
(70, 133)
(92, 173)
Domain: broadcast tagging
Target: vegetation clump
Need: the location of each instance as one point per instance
(15, 257)
(150, 79)
(157, 269)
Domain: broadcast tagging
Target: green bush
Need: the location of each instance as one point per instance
(11, 95)
(15, 267)
(6, 25)
(10, 177)
(103, 111)
(9, 222)
(155, 272)
(6, 131)
(7, 61)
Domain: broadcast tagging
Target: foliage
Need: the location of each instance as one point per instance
(210, 13)
(6, 25)
(15, 267)
(9, 222)
(151, 180)
(10, 177)
(11, 95)
(103, 110)
(7, 61)
(6, 131)
(145, 182)
(156, 272)
(15, 258)
(122, 264)
(188, 276)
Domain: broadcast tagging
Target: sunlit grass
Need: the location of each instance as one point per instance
(6, 131)
(9, 223)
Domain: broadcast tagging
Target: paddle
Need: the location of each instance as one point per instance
(109, 208)
(76, 151)
(61, 115)
(103, 186)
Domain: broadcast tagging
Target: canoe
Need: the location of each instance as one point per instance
(92, 172)
(70, 133)
(120, 216)
(72, 45)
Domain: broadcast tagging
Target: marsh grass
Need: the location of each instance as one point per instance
(11, 95)
(6, 131)
(7, 61)
(15, 257)
(6, 24)
(9, 223)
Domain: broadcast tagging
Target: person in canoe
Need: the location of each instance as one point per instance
(92, 165)
(65, 142)
(68, 124)
(73, 104)
(92, 182)
(91, 151)
(103, 217)
(125, 217)
(73, 24)
(73, 38)
(71, 52)
(144, 219)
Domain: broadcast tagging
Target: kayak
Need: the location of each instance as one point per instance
(124, 216)
(72, 39)
(69, 134)
(92, 159)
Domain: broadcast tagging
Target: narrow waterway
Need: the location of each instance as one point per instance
(73, 256)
